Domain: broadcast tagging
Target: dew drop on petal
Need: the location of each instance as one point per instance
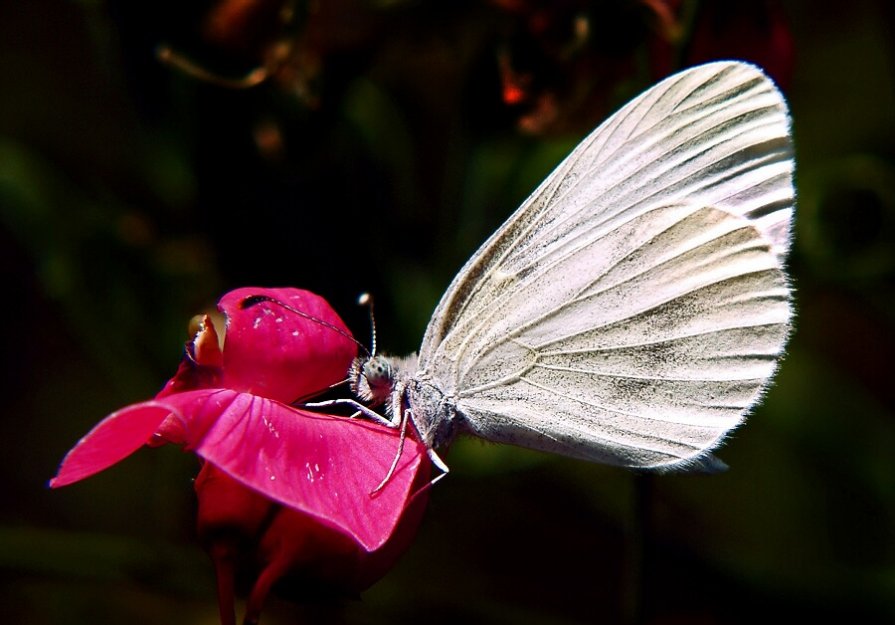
(310, 473)
(270, 427)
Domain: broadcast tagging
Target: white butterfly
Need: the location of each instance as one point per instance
(634, 308)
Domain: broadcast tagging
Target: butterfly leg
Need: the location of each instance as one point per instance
(439, 464)
(391, 469)
(433, 457)
(358, 407)
(436, 460)
(404, 416)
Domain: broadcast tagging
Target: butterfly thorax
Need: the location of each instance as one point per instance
(432, 412)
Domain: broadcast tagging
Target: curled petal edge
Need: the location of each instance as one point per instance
(112, 440)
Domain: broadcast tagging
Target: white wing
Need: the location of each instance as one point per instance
(633, 309)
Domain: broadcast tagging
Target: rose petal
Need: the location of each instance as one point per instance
(113, 439)
(325, 466)
(288, 345)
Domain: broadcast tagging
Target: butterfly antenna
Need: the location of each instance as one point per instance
(253, 300)
(366, 299)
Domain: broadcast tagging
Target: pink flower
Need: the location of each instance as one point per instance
(296, 487)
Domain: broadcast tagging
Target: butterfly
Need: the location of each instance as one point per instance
(634, 309)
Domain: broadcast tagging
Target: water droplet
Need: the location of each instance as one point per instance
(310, 473)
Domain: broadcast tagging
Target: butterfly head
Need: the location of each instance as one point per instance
(372, 379)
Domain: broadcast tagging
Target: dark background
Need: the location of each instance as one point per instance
(377, 155)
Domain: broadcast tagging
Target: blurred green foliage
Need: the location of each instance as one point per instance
(377, 158)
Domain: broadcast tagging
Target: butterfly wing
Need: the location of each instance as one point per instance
(633, 309)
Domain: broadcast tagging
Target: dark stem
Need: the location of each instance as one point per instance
(223, 556)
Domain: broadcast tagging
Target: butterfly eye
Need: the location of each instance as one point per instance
(378, 372)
